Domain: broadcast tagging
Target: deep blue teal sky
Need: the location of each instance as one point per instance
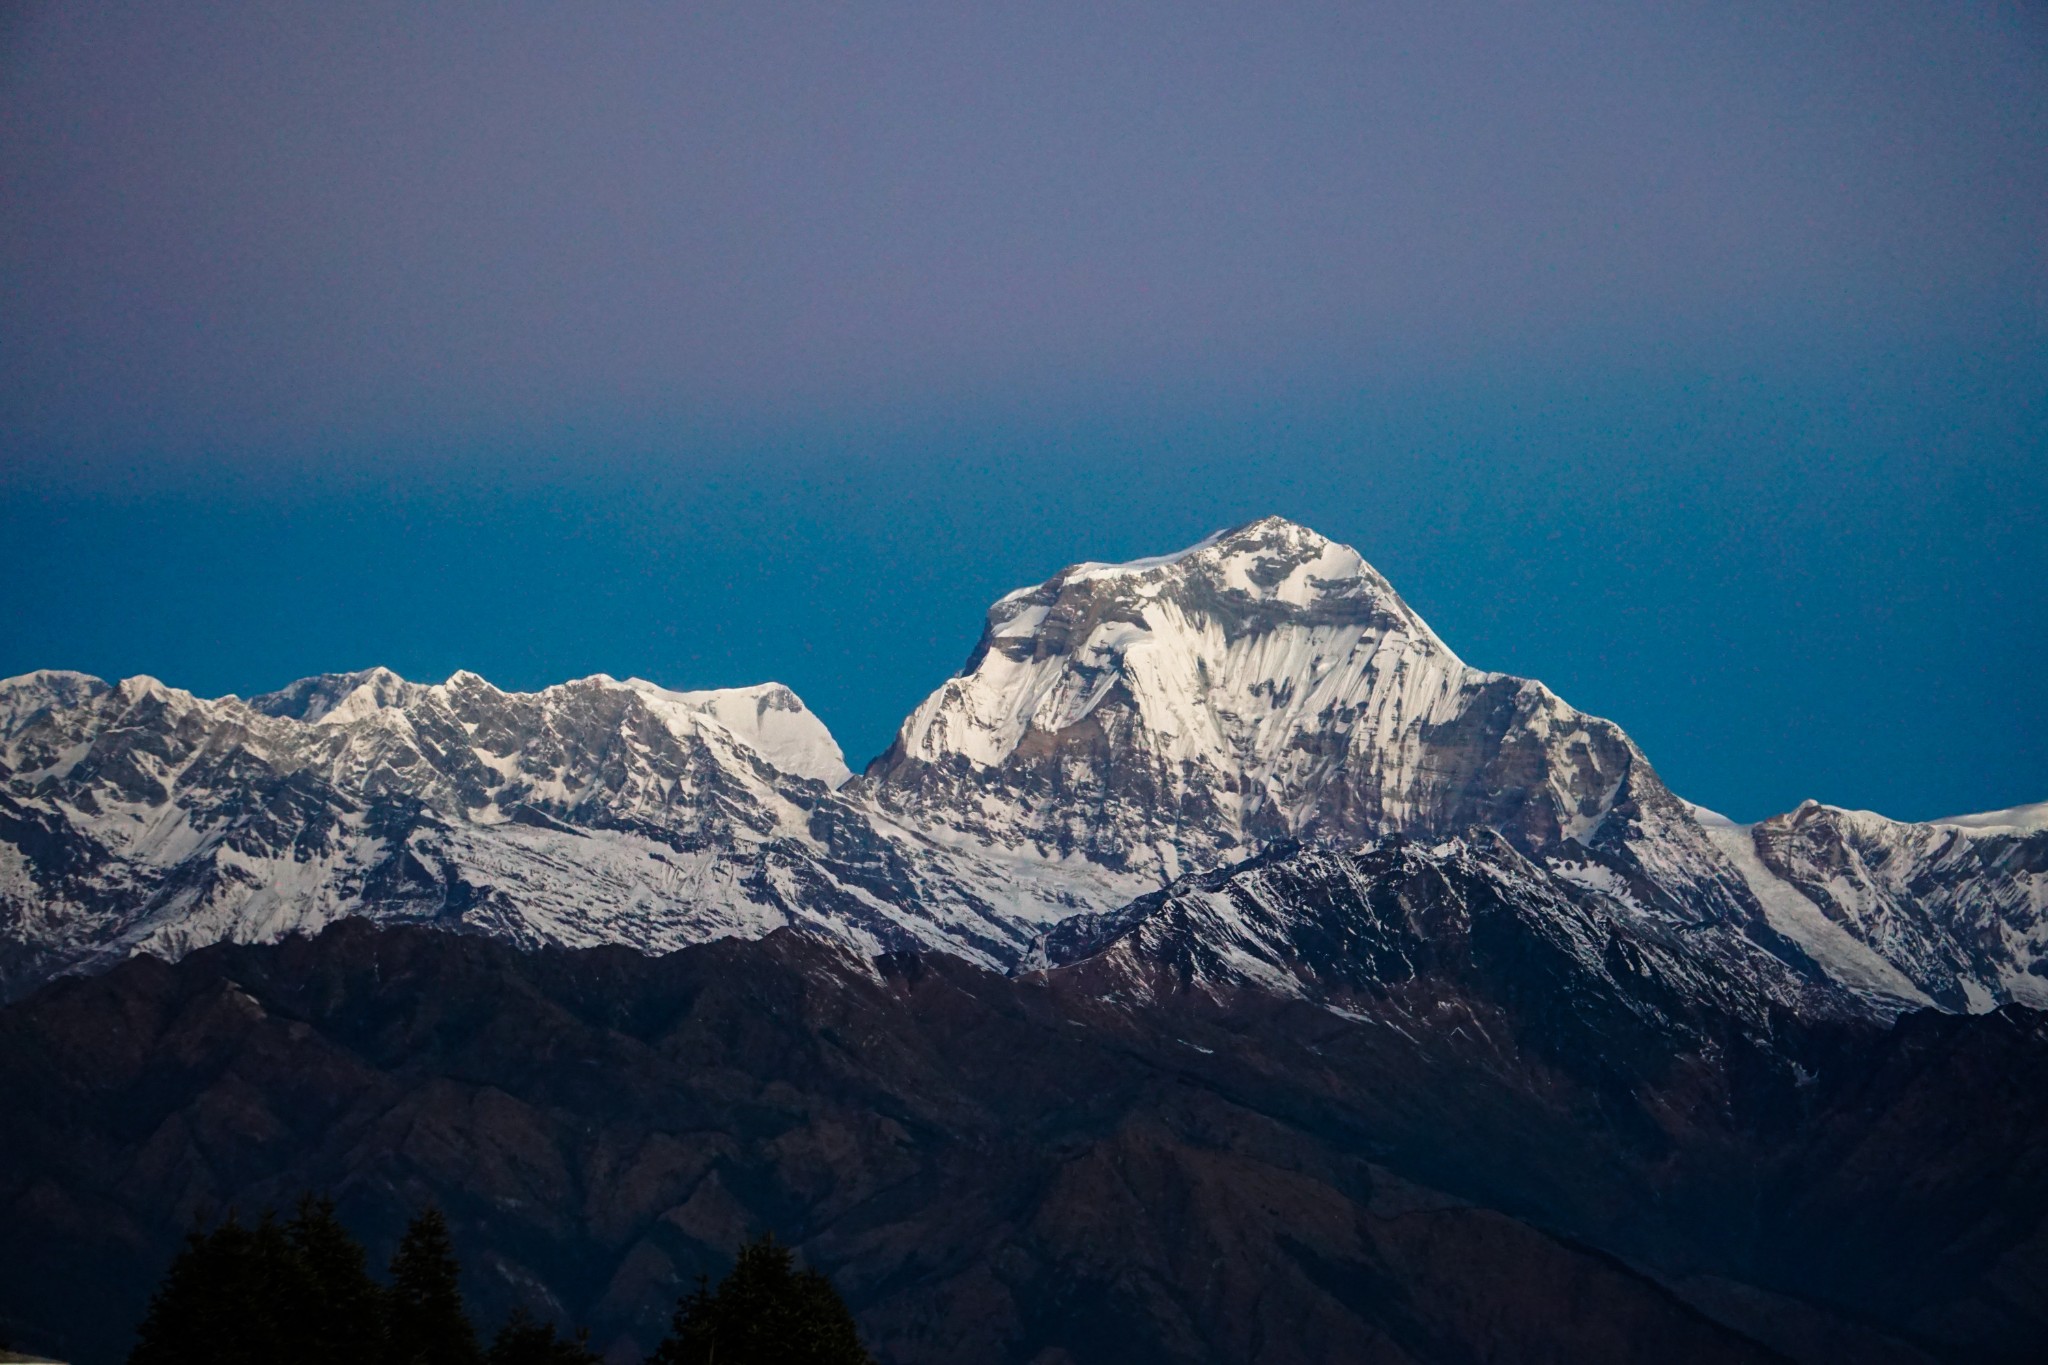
(1693, 361)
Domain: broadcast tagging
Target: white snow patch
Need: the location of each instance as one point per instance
(2029, 819)
(1601, 878)
(768, 718)
(1091, 570)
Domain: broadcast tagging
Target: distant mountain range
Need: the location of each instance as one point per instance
(1217, 968)
(1117, 727)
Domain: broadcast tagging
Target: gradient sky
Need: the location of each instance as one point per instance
(1693, 358)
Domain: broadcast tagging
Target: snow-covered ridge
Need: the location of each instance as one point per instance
(2028, 819)
(1095, 569)
(138, 817)
(1792, 913)
(1372, 933)
(767, 717)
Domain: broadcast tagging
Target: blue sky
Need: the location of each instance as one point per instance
(1694, 362)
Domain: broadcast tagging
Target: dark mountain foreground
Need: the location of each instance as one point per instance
(1476, 1151)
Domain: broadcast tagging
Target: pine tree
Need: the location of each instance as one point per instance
(766, 1312)
(297, 1291)
(424, 1320)
(341, 1316)
(225, 1300)
(523, 1341)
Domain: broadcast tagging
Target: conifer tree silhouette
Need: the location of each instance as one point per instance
(300, 1293)
(424, 1319)
(334, 1308)
(226, 1300)
(766, 1312)
(523, 1341)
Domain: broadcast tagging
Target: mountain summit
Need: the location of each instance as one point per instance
(1164, 712)
(1170, 714)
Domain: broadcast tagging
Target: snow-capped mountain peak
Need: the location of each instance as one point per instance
(1268, 560)
(1264, 683)
(1224, 652)
(338, 698)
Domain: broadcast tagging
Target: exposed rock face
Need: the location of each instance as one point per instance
(1497, 1146)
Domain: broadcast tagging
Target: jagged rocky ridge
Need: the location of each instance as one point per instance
(1117, 727)
(1373, 934)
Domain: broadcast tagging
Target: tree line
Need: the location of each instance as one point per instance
(299, 1289)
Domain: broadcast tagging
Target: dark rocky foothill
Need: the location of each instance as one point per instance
(1032, 1170)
